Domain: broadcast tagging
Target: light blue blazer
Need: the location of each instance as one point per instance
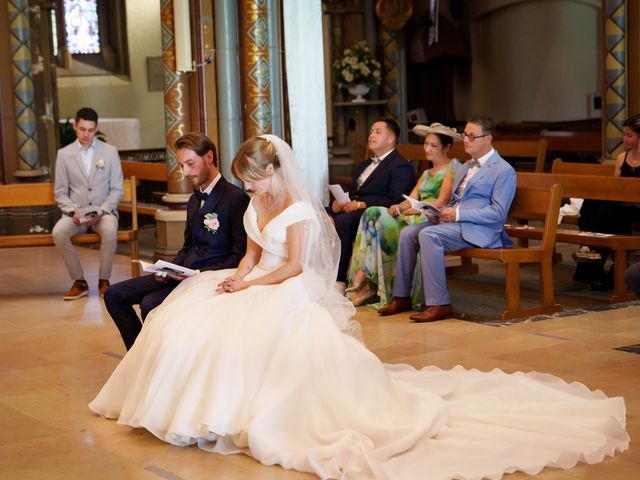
(485, 202)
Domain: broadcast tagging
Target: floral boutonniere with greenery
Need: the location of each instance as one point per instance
(100, 164)
(211, 222)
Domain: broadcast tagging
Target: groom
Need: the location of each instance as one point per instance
(214, 236)
(483, 190)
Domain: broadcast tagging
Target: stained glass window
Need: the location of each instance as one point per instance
(81, 24)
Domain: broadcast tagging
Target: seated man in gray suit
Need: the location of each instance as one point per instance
(88, 187)
(483, 190)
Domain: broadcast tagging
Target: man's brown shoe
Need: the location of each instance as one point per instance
(397, 305)
(77, 290)
(102, 286)
(433, 313)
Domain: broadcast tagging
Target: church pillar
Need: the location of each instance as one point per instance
(633, 15)
(394, 77)
(254, 67)
(228, 81)
(275, 67)
(615, 81)
(23, 91)
(170, 224)
(306, 90)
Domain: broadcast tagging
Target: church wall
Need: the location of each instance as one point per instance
(121, 96)
(536, 60)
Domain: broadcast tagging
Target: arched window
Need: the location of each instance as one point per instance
(90, 37)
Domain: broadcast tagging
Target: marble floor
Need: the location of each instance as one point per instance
(55, 355)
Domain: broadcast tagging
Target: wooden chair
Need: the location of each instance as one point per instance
(38, 194)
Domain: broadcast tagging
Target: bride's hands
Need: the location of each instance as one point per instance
(231, 284)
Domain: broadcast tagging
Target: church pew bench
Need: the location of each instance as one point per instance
(593, 187)
(152, 171)
(509, 148)
(40, 194)
(580, 168)
(527, 201)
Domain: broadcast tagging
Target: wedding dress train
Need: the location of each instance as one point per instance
(266, 371)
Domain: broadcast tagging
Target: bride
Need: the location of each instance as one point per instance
(264, 360)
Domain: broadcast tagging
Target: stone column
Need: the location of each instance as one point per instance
(23, 92)
(228, 78)
(170, 224)
(254, 67)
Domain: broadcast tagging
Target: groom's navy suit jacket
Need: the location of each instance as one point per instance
(205, 249)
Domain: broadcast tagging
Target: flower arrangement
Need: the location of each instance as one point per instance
(357, 67)
(100, 164)
(211, 222)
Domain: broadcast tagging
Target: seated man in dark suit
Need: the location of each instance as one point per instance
(214, 236)
(379, 181)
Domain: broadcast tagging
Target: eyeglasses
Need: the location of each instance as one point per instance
(471, 137)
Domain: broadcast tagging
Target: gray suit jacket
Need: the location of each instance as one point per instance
(102, 188)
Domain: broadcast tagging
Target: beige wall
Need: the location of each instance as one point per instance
(120, 96)
(535, 60)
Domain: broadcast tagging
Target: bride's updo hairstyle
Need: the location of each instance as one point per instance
(253, 158)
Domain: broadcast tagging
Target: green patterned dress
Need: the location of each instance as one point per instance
(376, 245)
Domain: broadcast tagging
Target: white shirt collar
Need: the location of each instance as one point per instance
(209, 189)
(486, 156)
(93, 145)
(384, 155)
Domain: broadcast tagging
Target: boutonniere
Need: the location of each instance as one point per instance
(211, 222)
(100, 164)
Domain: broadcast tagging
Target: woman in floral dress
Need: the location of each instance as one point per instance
(373, 262)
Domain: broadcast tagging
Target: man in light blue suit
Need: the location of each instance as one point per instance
(483, 190)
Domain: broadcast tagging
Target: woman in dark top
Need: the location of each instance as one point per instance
(610, 217)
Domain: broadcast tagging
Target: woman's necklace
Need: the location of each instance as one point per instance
(275, 201)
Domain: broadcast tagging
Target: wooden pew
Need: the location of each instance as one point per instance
(527, 201)
(580, 168)
(39, 194)
(511, 148)
(597, 188)
(153, 171)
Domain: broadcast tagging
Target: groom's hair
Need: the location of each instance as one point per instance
(198, 143)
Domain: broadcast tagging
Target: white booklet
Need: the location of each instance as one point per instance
(88, 213)
(426, 207)
(339, 194)
(163, 268)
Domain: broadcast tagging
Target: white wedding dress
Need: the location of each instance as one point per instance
(267, 372)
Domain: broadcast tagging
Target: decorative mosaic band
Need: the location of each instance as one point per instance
(255, 67)
(615, 75)
(393, 84)
(23, 94)
(175, 99)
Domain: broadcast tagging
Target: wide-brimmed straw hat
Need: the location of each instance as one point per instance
(423, 130)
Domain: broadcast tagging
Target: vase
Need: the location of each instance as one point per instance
(359, 91)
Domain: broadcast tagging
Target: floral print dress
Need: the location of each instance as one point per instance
(376, 245)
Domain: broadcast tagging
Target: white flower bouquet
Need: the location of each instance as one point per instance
(357, 67)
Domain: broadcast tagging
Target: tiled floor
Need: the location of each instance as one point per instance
(55, 355)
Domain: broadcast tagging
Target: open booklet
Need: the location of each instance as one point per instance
(340, 195)
(426, 207)
(163, 268)
(88, 213)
